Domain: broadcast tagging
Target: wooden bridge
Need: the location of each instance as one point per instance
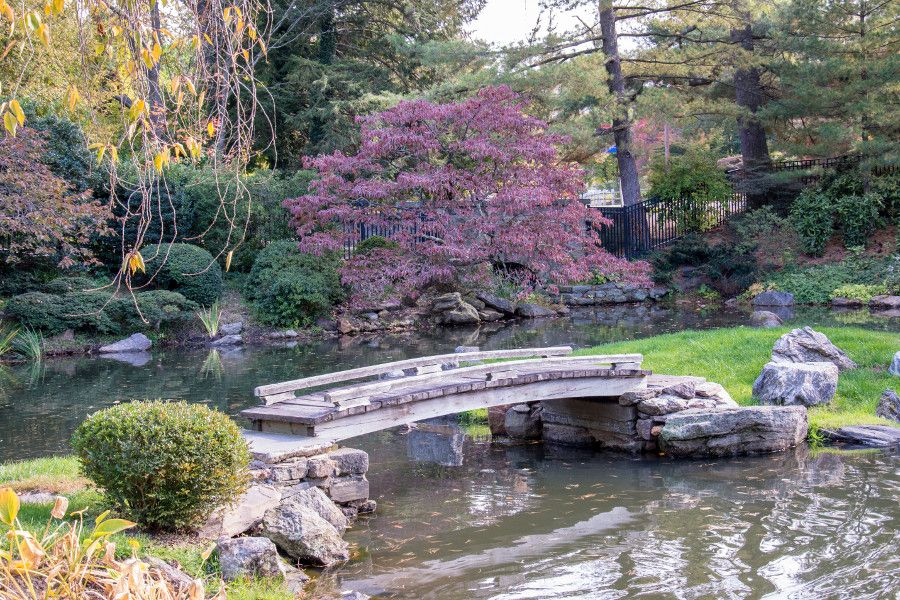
(377, 397)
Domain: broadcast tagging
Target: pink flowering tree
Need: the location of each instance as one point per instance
(468, 190)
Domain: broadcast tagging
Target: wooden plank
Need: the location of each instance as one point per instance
(289, 413)
(369, 388)
(371, 371)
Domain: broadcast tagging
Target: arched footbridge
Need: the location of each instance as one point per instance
(325, 409)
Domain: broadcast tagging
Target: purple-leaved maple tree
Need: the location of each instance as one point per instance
(469, 189)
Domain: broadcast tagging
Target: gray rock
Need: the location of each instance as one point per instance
(293, 470)
(232, 328)
(894, 369)
(136, 342)
(709, 389)
(773, 298)
(178, 579)
(499, 304)
(664, 405)
(249, 557)
(294, 579)
(446, 302)
(463, 349)
(885, 302)
(765, 318)
(227, 340)
(875, 436)
(636, 396)
(804, 384)
(888, 406)
(733, 431)
(349, 489)
(685, 389)
(350, 461)
(808, 345)
(246, 513)
(840, 302)
(302, 534)
(463, 314)
(489, 315)
(658, 292)
(286, 334)
(315, 499)
(523, 422)
(533, 311)
(320, 466)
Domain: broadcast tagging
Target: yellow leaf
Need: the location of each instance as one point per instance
(201, 97)
(116, 30)
(228, 258)
(208, 39)
(100, 152)
(48, 10)
(210, 129)
(9, 504)
(262, 46)
(226, 13)
(148, 60)
(114, 154)
(156, 52)
(208, 551)
(16, 109)
(32, 20)
(190, 85)
(135, 264)
(9, 122)
(195, 42)
(246, 55)
(44, 33)
(31, 551)
(72, 97)
(58, 6)
(60, 505)
(7, 11)
(113, 526)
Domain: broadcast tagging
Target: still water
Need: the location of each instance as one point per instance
(41, 405)
(531, 521)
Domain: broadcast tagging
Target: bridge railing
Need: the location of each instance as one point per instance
(416, 369)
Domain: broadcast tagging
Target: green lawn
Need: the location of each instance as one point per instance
(735, 356)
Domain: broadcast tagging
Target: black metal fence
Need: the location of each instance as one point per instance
(638, 229)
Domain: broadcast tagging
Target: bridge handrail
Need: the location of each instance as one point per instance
(276, 392)
(497, 370)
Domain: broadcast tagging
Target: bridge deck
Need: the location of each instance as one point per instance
(411, 395)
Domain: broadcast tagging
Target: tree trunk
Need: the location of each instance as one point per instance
(628, 174)
(327, 45)
(748, 95)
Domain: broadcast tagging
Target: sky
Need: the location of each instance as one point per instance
(508, 21)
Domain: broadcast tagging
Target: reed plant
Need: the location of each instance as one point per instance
(210, 318)
(7, 337)
(29, 343)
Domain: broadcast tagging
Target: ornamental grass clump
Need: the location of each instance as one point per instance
(68, 560)
(167, 465)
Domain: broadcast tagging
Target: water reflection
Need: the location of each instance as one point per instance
(536, 522)
(439, 441)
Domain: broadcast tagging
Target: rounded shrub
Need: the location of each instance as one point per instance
(186, 269)
(376, 242)
(166, 465)
(289, 288)
(812, 215)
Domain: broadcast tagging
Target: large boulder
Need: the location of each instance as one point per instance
(250, 557)
(464, 314)
(885, 302)
(773, 298)
(243, 515)
(875, 436)
(733, 431)
(136, 342)
(533, 311)
(316, 500)
(497, 419)
(497, 303)
(232, 328)
(523, 422)
(888, 406)
(894, 369)
(764, 318)
(808, 345)
(304, 535)
(227, 340)
(804, 384)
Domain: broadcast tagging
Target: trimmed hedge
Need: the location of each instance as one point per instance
(95, 312)
(288, 288)
(167, 465)
(184, 268)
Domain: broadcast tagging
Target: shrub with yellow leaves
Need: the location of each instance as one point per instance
(67, 561)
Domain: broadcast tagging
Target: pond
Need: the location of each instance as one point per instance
(40, 405)
(535, 521)
(463, 518)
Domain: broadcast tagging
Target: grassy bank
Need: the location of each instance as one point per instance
(735, 356)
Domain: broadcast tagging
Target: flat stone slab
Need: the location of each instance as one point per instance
(875, 436)
(272, 448)
(136, 342)
(733, 431)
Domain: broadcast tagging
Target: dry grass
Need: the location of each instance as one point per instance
(56, 475)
